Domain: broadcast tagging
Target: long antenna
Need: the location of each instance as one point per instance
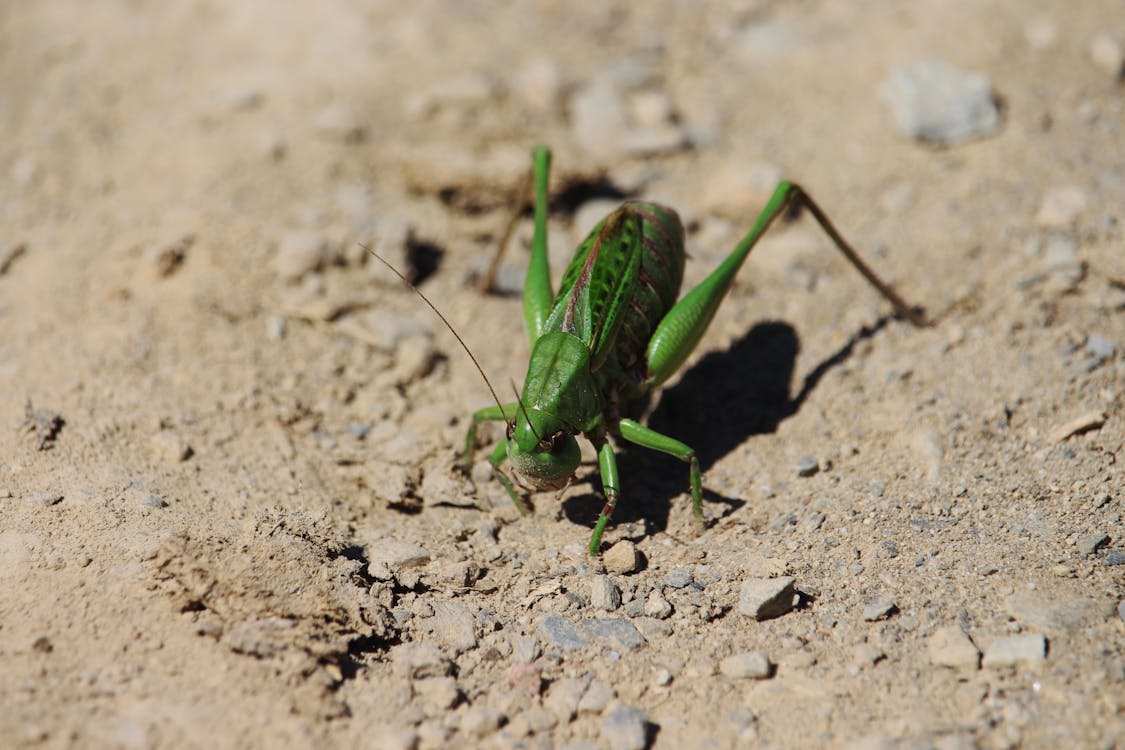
(524, 410)
(437, 312)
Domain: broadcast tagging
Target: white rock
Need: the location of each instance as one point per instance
(752, 665)
(604, 595)
(1107, 55)
(1029, 649)
(934, 101)
(657, 606)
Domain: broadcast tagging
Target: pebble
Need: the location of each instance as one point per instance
(480, 721)
(615, 630)
(1107, 55)
(932, 100)
(651, 109)
(625, 728)
(452, 625)
(652, 141)
(420, 660)
(596, 698)
(387, 737)
(525, 649)
(1121, 609)
(1100, 347)
(561, 633)
(338, 122)
(764, 598)
(604, 594)
(652, 628)
(170, 447)
(661, 677)
(949, 646)
(437, 693)
(563, 697)
(622, 558)
(657, 606)
(298, 253)
(1115, 557)
(1056, 613)
(525, 677)
(597, 117)
(1089, 421)
(46, 499)
(386, 556)
(807, 466)
(1028, 648)
(678, 578)
(751, 665)
(153, 501)
(879, 608)
(1090, 543)
(1041, 34)
(1061, 206)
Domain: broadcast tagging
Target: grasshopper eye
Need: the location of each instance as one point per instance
(511, 430)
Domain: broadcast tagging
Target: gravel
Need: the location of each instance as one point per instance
(625, 728)
(1029, 649)
(766, 598)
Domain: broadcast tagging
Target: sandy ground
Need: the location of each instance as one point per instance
(230, 511)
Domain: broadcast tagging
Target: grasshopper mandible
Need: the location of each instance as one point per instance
(613, 332)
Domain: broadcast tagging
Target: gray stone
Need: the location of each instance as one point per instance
(615, 630)
(807, 466)
(625, 728)
(678, 578)
(561, 633)
(932, 100)
(1029, 649)
(752, 665)
(1090, 543)
(604, 594)
(879, 608)
(765, 598)
(949, 646)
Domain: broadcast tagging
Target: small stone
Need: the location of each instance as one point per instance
(1121, 610)
(1089, 421)
(1029, 649)
(661, 677)
(615, 630)
(949, 646)
(480, 721)
(299, 253)
(651, 628)
(1090, 543)
(45, 499)
(563, 697)
(867, 655)
(596, 697)
(807, 466)
(678, 578)
(652, 141)
(1057, 613)
(657, 606)
(1100, 347)
(1061, 206)
(765, 598)
(752, 665)
(622, 558)
(561, 633)
(337, 122)
(452, 625)
(420, 660)
(625, 728)
(526, 678)
(934, 101)
(1115, 557)
(604, 594)
(525, 649)
(1107, 55)
(388, 556)
(153, 501)
(879, 608)
(437, 693)
(168, 446)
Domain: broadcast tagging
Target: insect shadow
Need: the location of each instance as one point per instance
(725, 398)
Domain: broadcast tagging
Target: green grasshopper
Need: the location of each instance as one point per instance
(612, 333)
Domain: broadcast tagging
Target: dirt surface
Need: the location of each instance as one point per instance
(230, 508)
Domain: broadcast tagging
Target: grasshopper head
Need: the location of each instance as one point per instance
(542, 450)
